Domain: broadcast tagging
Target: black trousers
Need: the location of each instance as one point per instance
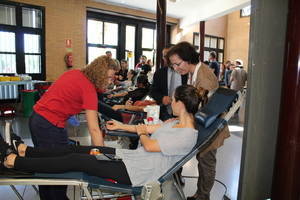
(72, 158)
(45, 134)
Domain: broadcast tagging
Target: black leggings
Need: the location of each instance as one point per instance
(72, 158)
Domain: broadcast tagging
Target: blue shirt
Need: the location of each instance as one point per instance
(215, 65)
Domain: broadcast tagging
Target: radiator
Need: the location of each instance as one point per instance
(11, 90)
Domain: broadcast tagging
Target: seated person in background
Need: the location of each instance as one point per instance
(162, 146)
(131, 74)
(145, 69)
(143, 60)
(122, 74)
(137, 94)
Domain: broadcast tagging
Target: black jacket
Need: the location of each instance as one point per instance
(159, 87)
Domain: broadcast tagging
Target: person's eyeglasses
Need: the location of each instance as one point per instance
(177, 64)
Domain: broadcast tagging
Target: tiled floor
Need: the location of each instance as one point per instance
(228, 162)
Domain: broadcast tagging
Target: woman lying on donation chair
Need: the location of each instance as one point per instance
(161, 147)
(137, 94)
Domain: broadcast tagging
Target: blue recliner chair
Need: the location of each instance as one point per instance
(210, 119)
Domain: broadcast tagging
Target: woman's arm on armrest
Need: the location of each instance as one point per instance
(114, 125)
(150, 145)
(129, 107)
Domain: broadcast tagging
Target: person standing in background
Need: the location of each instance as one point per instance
(213, 64)
(238, 76)
(222, 74)
(165, 80)
(227, 74)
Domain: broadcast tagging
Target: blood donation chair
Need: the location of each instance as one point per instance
(209, 119)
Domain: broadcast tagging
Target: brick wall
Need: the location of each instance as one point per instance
(237, 44)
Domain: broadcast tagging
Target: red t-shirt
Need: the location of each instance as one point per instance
(67, 96)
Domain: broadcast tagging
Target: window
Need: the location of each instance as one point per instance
(130, 46)
(211, 43)
(149, 43)
(102, 37)
(7, 14)
(22, 40)
(32, 51)
(7, 52)
(128, 37)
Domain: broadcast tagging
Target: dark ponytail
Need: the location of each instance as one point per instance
(189, 96)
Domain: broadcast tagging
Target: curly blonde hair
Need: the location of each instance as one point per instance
(97, 70)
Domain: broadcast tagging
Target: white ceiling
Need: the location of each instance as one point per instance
(188, 11)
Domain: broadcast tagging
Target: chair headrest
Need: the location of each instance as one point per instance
(205, 118)
(220, 102)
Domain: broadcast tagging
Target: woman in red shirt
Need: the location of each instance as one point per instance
(74, 91)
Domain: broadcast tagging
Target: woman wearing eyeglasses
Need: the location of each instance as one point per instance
(184, 58)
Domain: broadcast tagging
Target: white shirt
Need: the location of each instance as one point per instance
(176, 80)
(192, 80)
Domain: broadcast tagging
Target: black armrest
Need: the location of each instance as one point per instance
(132, 112)
(121, 133)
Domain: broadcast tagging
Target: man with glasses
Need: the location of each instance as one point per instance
(165, 81)
(185, 60)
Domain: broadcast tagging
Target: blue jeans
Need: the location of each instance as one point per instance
(45, 134)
